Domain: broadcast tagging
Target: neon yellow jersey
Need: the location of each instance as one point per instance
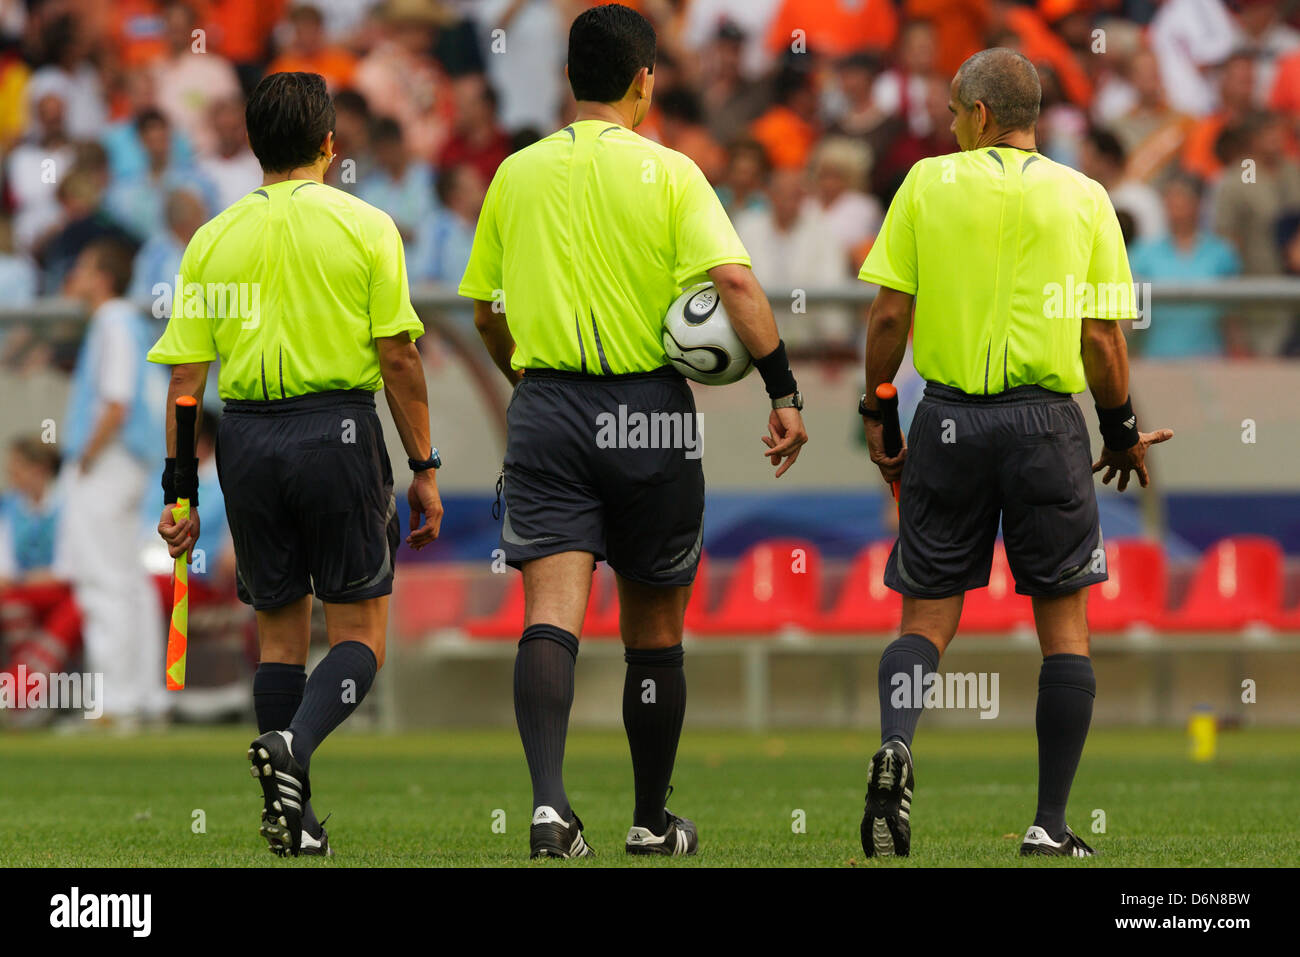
(1006, 252)
(289, 287)
(586, 238)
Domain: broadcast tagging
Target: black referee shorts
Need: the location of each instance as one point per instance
(309, 498)
(608, 465)
(1021, 456)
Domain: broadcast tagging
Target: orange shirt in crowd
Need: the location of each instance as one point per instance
(334, 63)
(241, 29)
(833, 27)
(1041, 45)
(959, 27)
(787, 138)
(135, 30)
(1198, 148)
(1285, 97)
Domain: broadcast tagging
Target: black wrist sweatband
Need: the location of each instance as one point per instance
(775, 370)
(1118, 426)
(170, 492)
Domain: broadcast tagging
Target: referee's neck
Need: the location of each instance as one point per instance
(314, 173)
(608, 112)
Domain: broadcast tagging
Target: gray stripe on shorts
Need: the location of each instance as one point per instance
(691, 554)
(511, 537)
(908, 580)
(386, 568)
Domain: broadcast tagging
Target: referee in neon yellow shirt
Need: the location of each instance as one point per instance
(300, 289)
(1017, 272)
(585, 239)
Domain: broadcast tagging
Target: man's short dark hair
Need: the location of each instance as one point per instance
(287, 117)
(350, 101)
(1006, 83)
(114, 259)
(608, 45)
(149, 116)
(1107, 145)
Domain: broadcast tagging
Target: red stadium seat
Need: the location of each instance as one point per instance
(508, 620)
(428, 597)
(996, 607)
(1134, 594)
(1238, 583)
(865, 604)
(776, 584)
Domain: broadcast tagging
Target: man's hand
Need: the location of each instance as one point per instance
(785, 436)
(1130, 460)
(890, 469)
(424, 501)
(179, 536)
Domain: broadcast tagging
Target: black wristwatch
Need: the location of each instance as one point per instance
(434, 461)
(874, 414)
(792, 401)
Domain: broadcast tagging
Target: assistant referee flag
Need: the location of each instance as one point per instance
(290, 286)
(586, 237)
(1005, 311)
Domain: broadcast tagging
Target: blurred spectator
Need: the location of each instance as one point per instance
(788, 129)
(1288, 240)
(158, 263)
(1236, 98)
(839, 170)
(681, 128)
(1022, 28)
(120, 139)
(1262, 30)
(959, 28)
(68, 72)
(309, 50)
(901, 90)
(731, 96)
(230, 169)
(792, 246)
(748, 169)
(1102, 158)
(18, 276)
(1187, 252)
(215, 575)
(905, 148)
(444, 238)
(1260, 186)
(34, 169)
(137, 202)
(352, 121)
(240, 31)
(13, 92)
(1188, 38)
(136, 32)
(400, 183)
(1061, 124)
(750, 19)
(1285, 95)
(852, 108)
(833, 28)
(400, 78)
(1152, 132)
(83, 221)
(40, 625)
(111, 442)
(190, 76)
(476, 138)
(524, 62)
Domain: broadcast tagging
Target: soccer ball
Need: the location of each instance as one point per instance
(699, 340)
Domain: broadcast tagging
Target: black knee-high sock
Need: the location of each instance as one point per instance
(543, 697)
(897, 682)
(654, 706)
(1066, 689)
(336, 686)
(277, 692)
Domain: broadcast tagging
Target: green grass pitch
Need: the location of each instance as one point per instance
(433, 799)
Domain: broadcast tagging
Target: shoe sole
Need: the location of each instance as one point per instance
(275, 826)
(881, 833)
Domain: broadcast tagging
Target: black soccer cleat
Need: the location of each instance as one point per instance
(311, 846)
(679, 838)
(1038, 842)
(886, 822)
(551, 836)
(284, 791)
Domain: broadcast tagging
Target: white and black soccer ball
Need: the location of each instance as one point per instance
(699, 340)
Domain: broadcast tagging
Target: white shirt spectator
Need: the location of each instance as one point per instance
(753, 17)
(887, 93)
(83, 98)
(1186, 35)
(233, 177)
(851, 219)
(529, 75)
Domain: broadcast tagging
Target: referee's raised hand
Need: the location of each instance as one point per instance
(1132, 459)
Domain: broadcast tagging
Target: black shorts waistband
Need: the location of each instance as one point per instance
(294, 404)
(663, 372)
(1013, 396)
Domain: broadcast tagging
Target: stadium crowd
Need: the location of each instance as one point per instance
(121, 132)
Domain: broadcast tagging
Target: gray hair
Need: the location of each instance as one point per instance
(1006, 83)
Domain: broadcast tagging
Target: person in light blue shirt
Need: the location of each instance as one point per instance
(138, 202)
(111, 438)
(1186, 252)
(398, 184)
(158, 262)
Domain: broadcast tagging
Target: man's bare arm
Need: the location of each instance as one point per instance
(495, 333)
(888, 323)
(107, 426)
(188, 378)
(406, 392)
(1105, 365)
